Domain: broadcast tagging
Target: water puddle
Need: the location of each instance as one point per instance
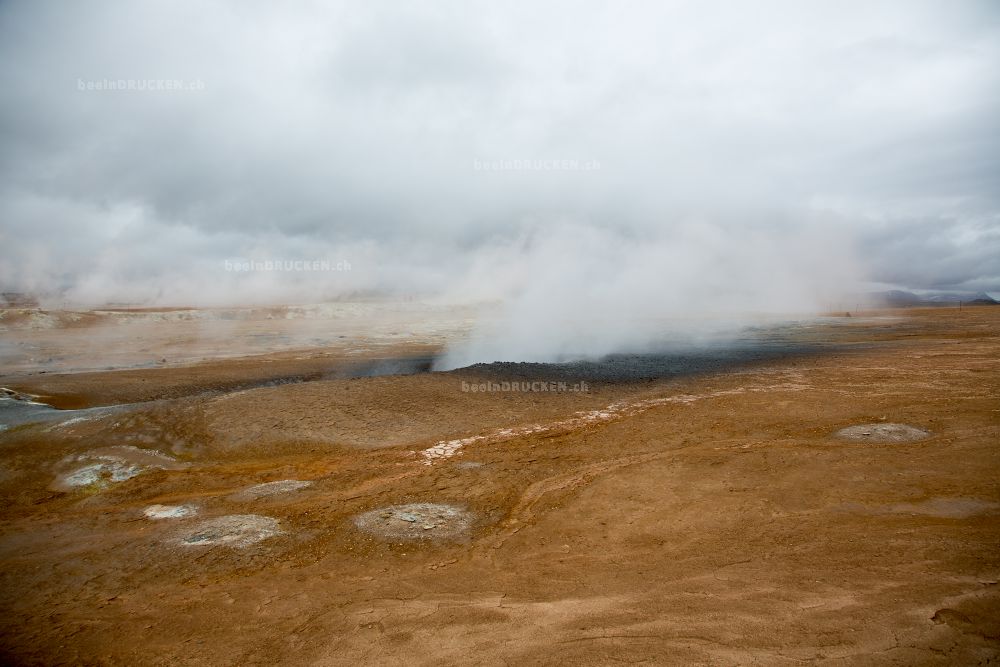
(17, 409)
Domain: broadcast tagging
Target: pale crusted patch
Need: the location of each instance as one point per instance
(270, 489)
(416, 521)
(882, 433)
(235, 530)
(170, 511)
(110, 465)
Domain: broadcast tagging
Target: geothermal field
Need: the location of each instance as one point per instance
(298, 485)
(454, 332)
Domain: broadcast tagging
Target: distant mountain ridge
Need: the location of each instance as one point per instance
(904, 298)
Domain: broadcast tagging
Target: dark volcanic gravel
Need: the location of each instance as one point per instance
(639, 367)
(757, 344)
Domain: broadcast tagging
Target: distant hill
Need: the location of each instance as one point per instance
(902, 299)
(983, 300)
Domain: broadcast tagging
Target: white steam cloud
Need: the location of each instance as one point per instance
(581, 292)
(674, 157)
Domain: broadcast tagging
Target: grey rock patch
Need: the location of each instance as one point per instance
(235, 530)
(882, 433)
(270, 489)
(170, 511)
(468, 465)
(416, 521)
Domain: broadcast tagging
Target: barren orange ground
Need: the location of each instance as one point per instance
(707, 520)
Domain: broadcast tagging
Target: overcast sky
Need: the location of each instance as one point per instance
(790, 146)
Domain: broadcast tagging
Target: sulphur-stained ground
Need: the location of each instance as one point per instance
(720, 517)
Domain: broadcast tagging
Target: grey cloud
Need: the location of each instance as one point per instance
(333, 128)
